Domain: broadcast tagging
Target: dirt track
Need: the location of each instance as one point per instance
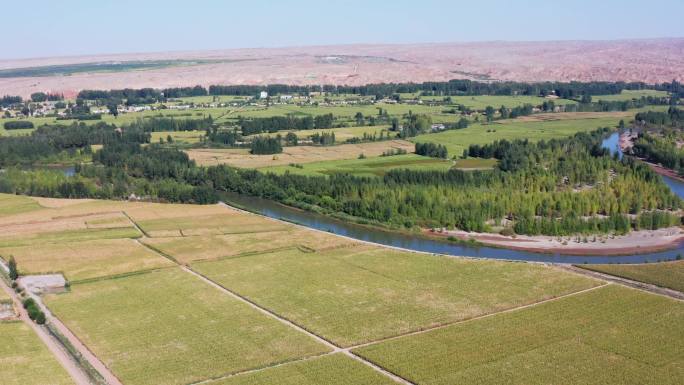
(76, 373)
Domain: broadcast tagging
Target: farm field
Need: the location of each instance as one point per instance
(480, 102)
(166, 325)
(191, 249)
(364, 293)
(611, 335)
(376, 166)
(334, 369)
(16, 204)
(296, 154)
(534, 128)
(139, 327)
(341, 133)
(629, 95)
(224, 221)
(665, 274)
(189, 137)
(85, 260)
(24, 359)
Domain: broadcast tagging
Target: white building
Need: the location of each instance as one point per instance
(263, 95)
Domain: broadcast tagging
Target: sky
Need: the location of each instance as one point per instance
(48, 28)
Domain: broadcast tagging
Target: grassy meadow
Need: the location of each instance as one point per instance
(665, 274)
(24, 359)
(611, 335)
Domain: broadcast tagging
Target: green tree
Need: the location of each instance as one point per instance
(12, 265)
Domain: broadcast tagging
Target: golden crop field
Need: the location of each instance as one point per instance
(85, 260)
(24, 359)
(296, 154)
(169, 306)
(169, 327)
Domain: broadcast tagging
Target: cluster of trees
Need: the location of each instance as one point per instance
(49, 140)
(18, 124)
(43, 97)
(155, 124)
(564, 187)
(673, 117)
(9, 100)
(661, 149)
(571, 90)
(281, 123)
(132, 96)
(432, 150)
(262, 145)
(184, 92)
(223, 137)
(324, 138)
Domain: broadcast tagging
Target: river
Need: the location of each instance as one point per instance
(421, 243)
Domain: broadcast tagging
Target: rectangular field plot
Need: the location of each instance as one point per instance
(376, 166)
(296, 154)
(334, 369)
(158, 220)
(189, 249)
(361, 294)
(24, 360)
(665, 274)
(86, 260)
(535, 128)
(610, 335)
(15, 204)
(170, 327)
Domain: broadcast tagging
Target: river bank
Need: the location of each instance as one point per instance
(626, 142)
(636, 242)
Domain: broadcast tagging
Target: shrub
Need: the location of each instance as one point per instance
(18, 124)
(29, 302)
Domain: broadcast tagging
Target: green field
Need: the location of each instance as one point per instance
(665, 274)
(533, 129)
(169, 327)
(475, 164)
(24, 359)
(361, 294)
(629, 95)
(611, 335)
(188, 137)
(376, 166)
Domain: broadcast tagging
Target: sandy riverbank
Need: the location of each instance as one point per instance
(636, 242)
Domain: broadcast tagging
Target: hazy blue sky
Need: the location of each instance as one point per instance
(71, 27)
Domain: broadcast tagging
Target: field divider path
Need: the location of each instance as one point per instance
(483, 316)
(269, 313)
(334, 348)
(53, 345)
(653, 289)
